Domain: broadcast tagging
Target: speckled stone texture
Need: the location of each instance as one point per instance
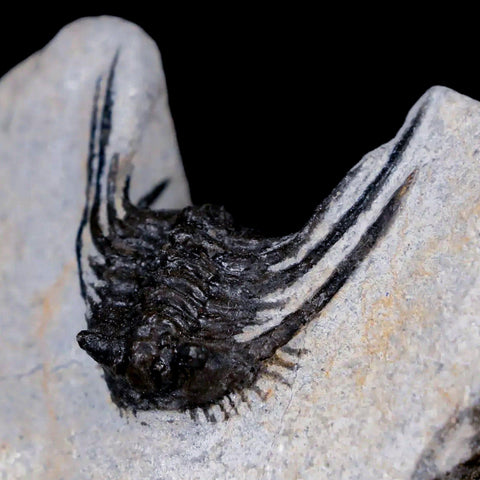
(388, 387)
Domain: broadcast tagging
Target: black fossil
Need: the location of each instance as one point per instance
(170, 292)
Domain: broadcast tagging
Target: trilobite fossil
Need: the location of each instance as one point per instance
(183, 306)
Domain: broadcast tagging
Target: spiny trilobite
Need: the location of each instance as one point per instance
(183, 306)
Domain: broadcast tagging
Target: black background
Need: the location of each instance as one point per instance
(272, 107)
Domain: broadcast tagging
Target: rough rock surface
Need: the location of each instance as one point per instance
(389, 386)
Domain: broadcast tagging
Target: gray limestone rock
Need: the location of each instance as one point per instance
(388, 386)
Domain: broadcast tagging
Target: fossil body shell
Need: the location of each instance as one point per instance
(184, 306)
